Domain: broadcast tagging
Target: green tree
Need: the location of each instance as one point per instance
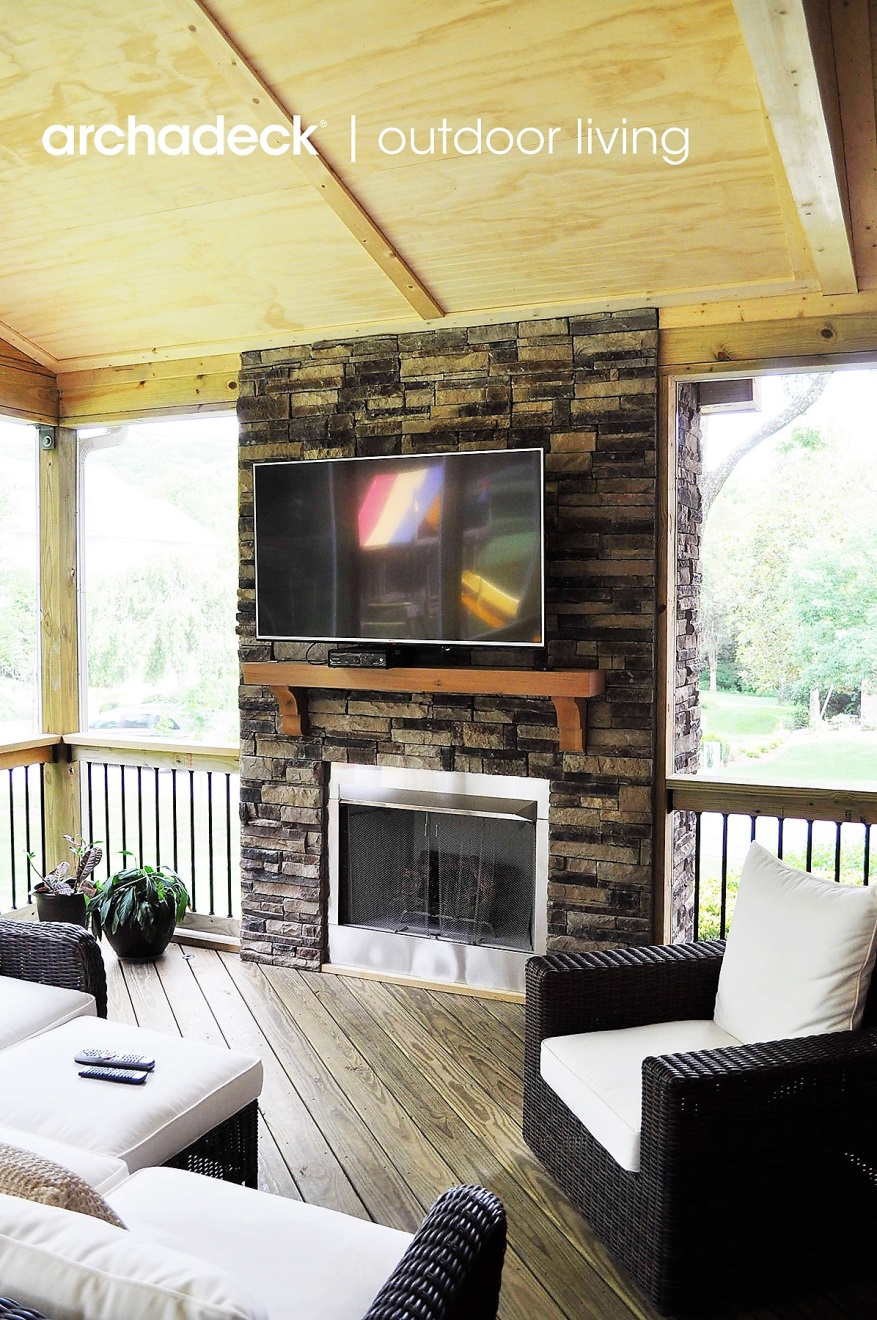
(170, 624)
(19, 624)
(833, 600)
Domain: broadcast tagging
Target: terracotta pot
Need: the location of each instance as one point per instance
(62, 907)
(129, 941)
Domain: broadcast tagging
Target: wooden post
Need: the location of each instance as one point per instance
(59, 632)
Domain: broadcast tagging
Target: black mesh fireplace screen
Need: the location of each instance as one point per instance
(446, 875)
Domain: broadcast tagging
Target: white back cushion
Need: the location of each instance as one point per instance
(27, 1008)
(800, 953)
(71, 1266)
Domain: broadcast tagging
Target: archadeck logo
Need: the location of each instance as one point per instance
(669, 144)
(179, 139)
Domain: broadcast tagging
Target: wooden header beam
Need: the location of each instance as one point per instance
(804, 117)
(264, 105)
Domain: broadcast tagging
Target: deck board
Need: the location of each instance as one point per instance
(377, 1097)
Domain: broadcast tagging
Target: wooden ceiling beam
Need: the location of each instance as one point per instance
(265, 106)
(27, 346)
(793, 69)
(853, 39)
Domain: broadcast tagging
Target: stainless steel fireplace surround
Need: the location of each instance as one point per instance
(438, 876)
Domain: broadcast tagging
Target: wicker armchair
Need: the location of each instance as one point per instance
(451, 1270)
(758, 1162)
(54, 953)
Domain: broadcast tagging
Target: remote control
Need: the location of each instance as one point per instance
(114, 1075)
(107, 1059)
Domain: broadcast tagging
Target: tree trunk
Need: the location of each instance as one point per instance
(815, 713)
(714, 671)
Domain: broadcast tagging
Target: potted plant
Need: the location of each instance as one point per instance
(62, 895)
(137, 909)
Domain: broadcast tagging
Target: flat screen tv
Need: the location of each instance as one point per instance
(431, 548)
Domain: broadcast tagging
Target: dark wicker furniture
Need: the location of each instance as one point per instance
(229, 1151)
(54, 953)
(451, 1270)
(759, 1163)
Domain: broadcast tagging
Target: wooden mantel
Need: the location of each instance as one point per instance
(569, 689)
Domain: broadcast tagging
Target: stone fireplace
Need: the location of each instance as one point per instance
(441, 876)
(584, 390)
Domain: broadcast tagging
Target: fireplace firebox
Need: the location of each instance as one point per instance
(437, 875)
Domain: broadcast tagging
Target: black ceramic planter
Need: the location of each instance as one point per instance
(62, 907)
(129, 941)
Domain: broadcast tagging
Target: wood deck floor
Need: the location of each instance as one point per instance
(377, 1097)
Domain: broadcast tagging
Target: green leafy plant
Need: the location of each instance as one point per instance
(139, 894)
(60, 881)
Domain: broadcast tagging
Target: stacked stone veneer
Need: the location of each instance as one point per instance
(686, 755)
(583, 389)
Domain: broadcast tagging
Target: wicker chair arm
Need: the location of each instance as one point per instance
(569, 993)
(453, 1266)
(55, 953)
(807, 1094)
(10, 1310)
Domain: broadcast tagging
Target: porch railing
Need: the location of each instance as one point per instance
(826, 831)
(142, 799)
(22, 815)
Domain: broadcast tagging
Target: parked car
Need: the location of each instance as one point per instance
(148, 720)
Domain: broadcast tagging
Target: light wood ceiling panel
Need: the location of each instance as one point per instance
(103, 258)
(493, 231)
(211, 276)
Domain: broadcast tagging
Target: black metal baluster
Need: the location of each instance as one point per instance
(13, 872)
(837, 848)
(174, 814)
(228, 839)
(140, 813)
(867, 859)
(157, 822)
(192, 833)
(781, 825)
(88, 802)
(724, 909)
(210, 840)
(26, 810)
(752, 820)
(107, 816)
(808, 864)
(697, 816)
(124, 801)
(43, 817)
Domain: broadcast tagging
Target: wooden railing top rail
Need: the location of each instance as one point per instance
(163, 753)
(686, 793)
(113, 749)
(28, 751)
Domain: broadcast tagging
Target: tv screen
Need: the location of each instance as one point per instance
(443, 548)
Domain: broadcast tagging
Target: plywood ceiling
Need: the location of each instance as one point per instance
(111, 259)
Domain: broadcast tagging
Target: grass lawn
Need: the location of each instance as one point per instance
(749, 725)
(734, 714)
(840, 758)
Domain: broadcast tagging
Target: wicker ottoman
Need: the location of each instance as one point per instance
(197, 1111)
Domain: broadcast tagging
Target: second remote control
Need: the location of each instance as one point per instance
(115, 1075)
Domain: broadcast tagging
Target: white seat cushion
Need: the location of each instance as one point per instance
(102, 1172)
(298, 1260)
(194, 1087)
(74, 1267)
(800, 953)
(27, 1008)
(598, 1075)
